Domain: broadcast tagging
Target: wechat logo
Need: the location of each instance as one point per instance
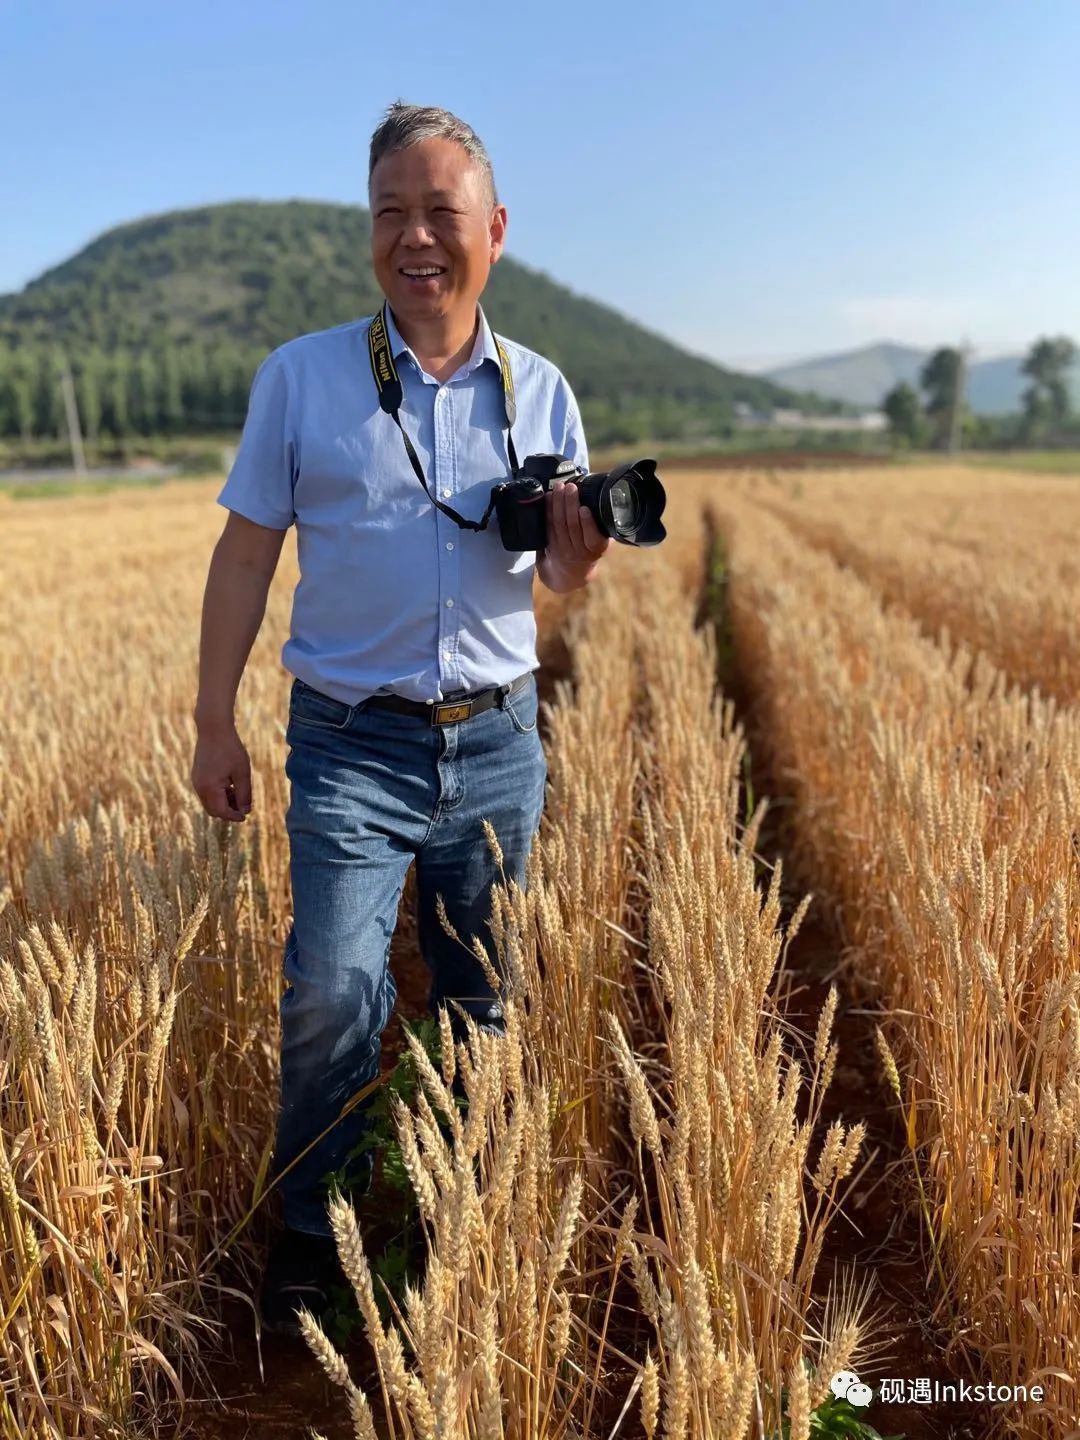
(846, 1385)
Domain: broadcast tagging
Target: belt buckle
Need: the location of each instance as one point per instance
(451, 713)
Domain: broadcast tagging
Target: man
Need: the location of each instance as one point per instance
(399, 611)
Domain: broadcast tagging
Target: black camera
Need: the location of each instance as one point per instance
(626, 502)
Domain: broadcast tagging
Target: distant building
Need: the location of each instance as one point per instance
(872, 422)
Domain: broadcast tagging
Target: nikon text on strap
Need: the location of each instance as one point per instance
(391, 395)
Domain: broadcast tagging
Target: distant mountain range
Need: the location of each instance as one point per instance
(864, 377)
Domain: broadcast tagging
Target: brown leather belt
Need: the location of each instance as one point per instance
(449, 712)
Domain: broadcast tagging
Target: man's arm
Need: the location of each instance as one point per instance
(241, 569)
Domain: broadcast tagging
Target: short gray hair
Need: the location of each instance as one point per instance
(404, 125)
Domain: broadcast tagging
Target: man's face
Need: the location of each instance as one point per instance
(432, 213)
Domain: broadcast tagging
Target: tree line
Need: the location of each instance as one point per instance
(189, 389)
(930, 415)
(192, 388)
(171, 390)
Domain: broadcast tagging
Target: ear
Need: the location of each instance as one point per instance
(497, 232)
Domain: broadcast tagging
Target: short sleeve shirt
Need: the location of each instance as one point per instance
(393, 596)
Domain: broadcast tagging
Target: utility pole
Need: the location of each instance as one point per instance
(957, 416)
(71, 410)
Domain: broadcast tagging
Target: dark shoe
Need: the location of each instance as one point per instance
(302, 1270)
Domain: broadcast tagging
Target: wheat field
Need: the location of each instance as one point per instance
(625, 1232)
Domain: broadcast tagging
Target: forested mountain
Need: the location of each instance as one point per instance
(164, 320)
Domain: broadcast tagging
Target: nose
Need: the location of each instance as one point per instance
(416, 234)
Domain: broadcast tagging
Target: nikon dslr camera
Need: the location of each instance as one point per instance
(626, 502)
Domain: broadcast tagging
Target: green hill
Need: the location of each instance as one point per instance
(165, 319)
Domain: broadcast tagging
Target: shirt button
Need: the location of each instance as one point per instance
(449, 544)
(449, 604)
(446, 494)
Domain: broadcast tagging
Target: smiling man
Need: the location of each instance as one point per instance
(413, 710)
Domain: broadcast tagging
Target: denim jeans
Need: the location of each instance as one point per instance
(370, 792)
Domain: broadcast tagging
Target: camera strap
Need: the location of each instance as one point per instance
(391, 395)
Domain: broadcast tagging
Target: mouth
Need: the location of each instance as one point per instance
(422, 275)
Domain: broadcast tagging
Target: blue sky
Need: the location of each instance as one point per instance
(759, 182)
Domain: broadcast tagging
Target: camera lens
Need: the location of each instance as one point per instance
(626, 502)
(624, 506)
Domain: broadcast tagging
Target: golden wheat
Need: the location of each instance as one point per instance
(937, 807)
(643, 1143)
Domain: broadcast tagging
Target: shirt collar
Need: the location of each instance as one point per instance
(484, 347)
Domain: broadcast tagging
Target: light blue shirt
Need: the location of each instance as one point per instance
(393, 597)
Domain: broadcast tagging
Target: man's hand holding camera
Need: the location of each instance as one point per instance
(575, 545)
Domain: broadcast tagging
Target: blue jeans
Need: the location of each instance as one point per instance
(370, 792)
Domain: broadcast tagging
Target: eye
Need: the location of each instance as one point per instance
(389, 210)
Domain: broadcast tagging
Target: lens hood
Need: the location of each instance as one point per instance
(649, 502)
